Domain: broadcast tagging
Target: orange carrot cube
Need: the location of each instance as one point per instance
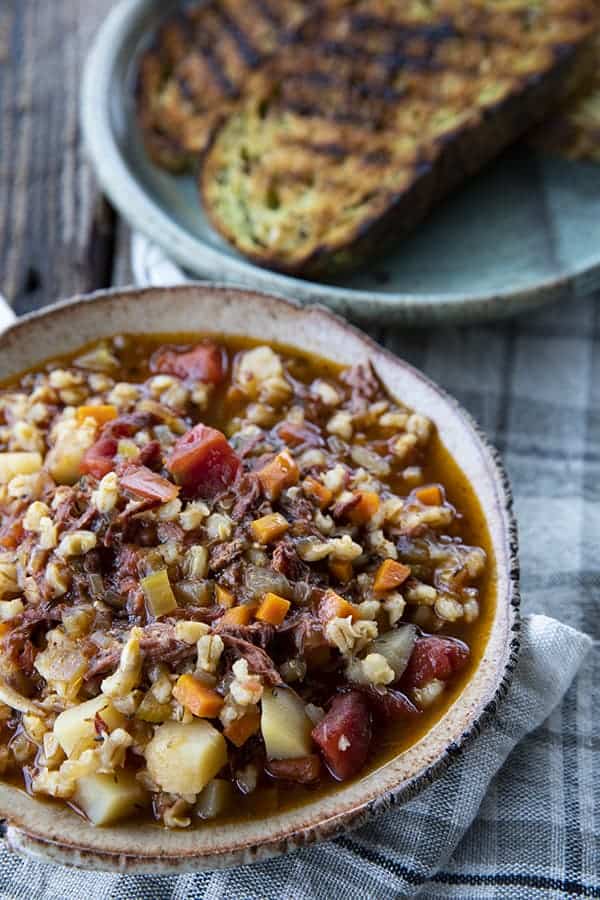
(390, 575)
(333, 606)
(341, 569)
(316, 490)
(278, 474)
(224, 597)
(201, 700)
(273, 609)
(430, 495)
(237, 615)
(241, 729)
(102, 413)
(365, 509)
(269, 528)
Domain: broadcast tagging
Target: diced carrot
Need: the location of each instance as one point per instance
(145, 483)
(269, 528)
(4, 629)
(102, 413)
(280, 473)
(241, 729)
(11, 534)
(201, 700)
(273, 609)
(237, 615)
(332, 606)
(341, 569)
(430, 495)
(390, 575)
(224, 597)
(365, 509)
(316, 490)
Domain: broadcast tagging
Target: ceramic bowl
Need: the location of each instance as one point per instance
(51, 832)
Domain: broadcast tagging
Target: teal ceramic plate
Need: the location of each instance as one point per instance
(523, 233)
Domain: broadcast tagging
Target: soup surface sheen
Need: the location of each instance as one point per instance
(232, 576)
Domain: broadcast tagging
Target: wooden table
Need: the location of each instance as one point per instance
(58, 236)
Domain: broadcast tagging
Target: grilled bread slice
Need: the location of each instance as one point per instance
(200, 63)
(573, 131)
(345, 142)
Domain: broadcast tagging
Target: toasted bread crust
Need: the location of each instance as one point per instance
(346, 142)
(573, 131)
(201, 62)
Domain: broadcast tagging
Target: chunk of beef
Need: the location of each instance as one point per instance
(258, 660)
(222, 555)
(248, 494)
(303, 770)
(286, 561)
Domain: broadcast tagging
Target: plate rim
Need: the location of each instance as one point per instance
(145, 214)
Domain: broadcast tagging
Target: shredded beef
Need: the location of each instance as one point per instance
(286, 561)
(248, 492)
(223, 554)
(364, 384)
(258, 633)
(258, 661)
(298, 510)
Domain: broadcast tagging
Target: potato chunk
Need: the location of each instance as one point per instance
(284, 724)
(13, 464)
(74, 728)
(182, 759)
(106, 798)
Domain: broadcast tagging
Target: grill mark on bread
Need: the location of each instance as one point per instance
(250, 55)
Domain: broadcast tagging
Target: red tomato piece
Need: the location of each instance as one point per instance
(389, 705)
(99, 459)
(434, 657)
(203, 462)
(206, 362)
(344, 735)
(141, 480)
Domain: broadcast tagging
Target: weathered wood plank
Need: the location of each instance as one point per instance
(56, 232)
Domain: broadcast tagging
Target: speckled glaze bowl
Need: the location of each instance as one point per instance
(54, 833)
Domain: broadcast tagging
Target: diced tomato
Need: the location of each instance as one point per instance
(434, 657)
(389, 705)
(142, 481)
(206, 362)
(203, 462)
(302, 770)
(99, 459)
(294, 435)
(344, 735)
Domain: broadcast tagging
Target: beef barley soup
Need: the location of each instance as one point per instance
(231, 576)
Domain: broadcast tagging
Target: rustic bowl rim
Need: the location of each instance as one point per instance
(77, 843)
